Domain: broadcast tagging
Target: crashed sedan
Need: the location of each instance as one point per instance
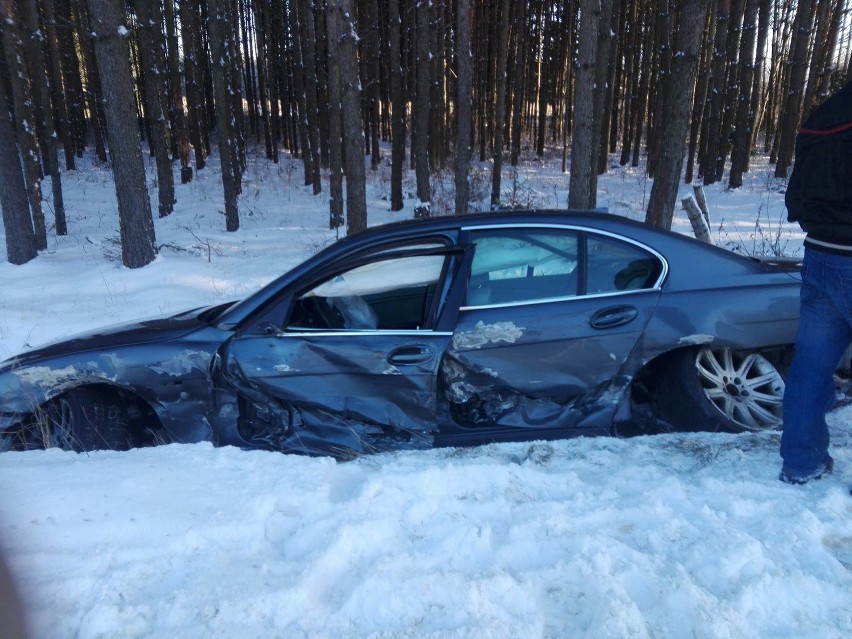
(442, 332)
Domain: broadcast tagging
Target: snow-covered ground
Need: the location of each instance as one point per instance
(668, 536)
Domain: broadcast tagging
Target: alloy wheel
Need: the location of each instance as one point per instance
(745, 387)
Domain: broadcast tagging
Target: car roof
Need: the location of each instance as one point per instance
(513, 216)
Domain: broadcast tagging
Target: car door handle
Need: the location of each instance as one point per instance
(411, 355)
(613, 316)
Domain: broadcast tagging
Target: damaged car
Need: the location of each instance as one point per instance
(442, 332)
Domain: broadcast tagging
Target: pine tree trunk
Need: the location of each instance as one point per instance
(464, 122)
(519, 78)
(41, 91)
(177, 117)
(153, 60)
(353, 133)
(757, 92)
(72, 83)
(662, 53)
(92, 96)
(583, 137)
(437, 130)
(250, 57)
(732, 88)
(791, 114)
(263, 80)
(707, 166)
(58, 90)
(193, 74)
(632, 53)
(545, 82)
(605, 37)
(642, 108)
(744, 117)
(675, 120)
(17, 224)
(298, 74)
(113, 57)
(821, 43)
(700, 103)
(614, 70)
(236, 92)
(397, 104)
(322, 83)
(306, 19)
(371, 88)
(335, 147)
(25, 118)
(487, 80)
(500, 109)
(220, 50)
(421, 108)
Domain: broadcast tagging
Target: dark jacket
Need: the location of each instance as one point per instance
(819, 192)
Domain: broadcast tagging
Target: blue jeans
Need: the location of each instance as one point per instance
(825, 330)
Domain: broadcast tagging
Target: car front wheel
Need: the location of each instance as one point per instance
(717, 388)
(83, 420)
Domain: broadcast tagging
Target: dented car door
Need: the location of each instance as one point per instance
(551, 319)
(354, 367)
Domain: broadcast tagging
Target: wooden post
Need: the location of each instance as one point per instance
(702, 202)
(699, 224)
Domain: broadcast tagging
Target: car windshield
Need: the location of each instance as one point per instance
(380, 277)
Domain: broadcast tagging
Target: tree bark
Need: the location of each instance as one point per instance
(25, 128)
(353, 133)
(113, 57)
(744, 117)
(583, 138)
(605, 37)
(371, 88)
(707, 166)
(195, 101)
(520, 76)
(43, 96)
(335, 137)
(75, 141)
(93, 99)
(18, 226)
(59, 93)
(309, 47)
(464, 128)
(177, 117)
(221, 53)
(420, 142)
(152, 56)
(675, 121)
(791, 115)
(397, 104)
(500, 98)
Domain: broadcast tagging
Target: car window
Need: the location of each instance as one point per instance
(387, 294)
(520, 265)
(526, 265)
(614, 265)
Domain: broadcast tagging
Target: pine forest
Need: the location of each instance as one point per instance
(688, 89)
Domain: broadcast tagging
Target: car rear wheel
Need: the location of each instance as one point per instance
(717, 388)
(83, 420)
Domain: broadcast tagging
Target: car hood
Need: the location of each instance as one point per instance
(157, 329)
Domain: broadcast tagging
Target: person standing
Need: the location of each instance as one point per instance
(819, 198)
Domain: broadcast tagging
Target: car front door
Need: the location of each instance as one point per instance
(551, 318)
(353, 367)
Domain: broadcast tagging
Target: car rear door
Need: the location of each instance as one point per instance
(552, 316)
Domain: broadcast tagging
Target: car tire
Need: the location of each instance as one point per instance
(83, 420)
(718, 388)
